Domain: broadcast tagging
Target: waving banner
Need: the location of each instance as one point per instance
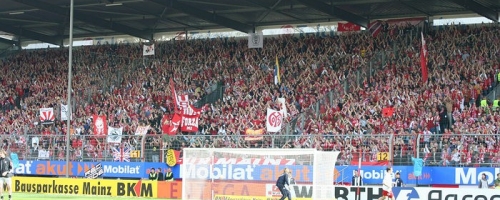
(64, 112)
(115, 134)
(274, 120)
(142, 130)
(100, 125)
(47, 115)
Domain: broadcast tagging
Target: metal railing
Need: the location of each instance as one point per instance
(464, 150)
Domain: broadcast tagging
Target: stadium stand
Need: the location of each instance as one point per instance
(336, 90)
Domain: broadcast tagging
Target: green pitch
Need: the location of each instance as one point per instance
(28, 196)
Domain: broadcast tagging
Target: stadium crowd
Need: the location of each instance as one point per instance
(112, 80)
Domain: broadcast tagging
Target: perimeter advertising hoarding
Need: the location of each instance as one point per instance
(78, 169)
(250, 172)
(126, 188)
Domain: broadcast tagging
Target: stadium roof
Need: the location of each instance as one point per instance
(48, 20)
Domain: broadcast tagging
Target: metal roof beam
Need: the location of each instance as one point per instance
(7, 41)
(336, 12)
(202, 14)
(29, 34)
(89, 19)
(478, 8)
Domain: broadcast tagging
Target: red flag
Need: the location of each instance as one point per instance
(375, 27)
(349, 26)
(423, 59)
(100, 126)
(165, 124)
(387, 112)
(174, 95)
(190, 123)
(174, 124)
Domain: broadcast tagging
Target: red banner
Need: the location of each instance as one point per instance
(190, 123)
(100, 126)
(165, 124)
(174, 125)
(189, 115)
(349, 26)
(387, 112)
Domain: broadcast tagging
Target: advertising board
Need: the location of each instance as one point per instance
(78, 169)
(242, 190)
(251, 172)
(125, 188)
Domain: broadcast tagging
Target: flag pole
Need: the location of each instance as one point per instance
(70, 66)
(358, 195)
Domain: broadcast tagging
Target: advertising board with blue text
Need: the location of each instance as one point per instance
(78, 169)
(250, 172)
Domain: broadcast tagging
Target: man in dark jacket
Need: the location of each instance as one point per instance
(283, 184)
(357, 180)
(160, 175)
(6, 171)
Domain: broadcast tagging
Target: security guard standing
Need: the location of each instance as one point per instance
(169, 176)
(153, 176)
(484, 103)
(496, 103)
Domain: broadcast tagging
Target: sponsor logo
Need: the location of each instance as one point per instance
(47, 188)
(471, 175)
(461, 195)
(405, 193)
(96, 189)
(220, 172)
(138, 189)
(119, 169)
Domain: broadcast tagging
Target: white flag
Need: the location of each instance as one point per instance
(115, 134)
(274, 120)
(283, 106)
(64, 112)
(142, 130)
(255, 40)
(148, 50)
(47, 115)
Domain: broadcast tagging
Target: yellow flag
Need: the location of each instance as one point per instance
(171, 159)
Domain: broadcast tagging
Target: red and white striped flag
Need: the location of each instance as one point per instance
(375, 27)
(423, 59)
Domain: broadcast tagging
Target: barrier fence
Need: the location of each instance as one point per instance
(436, 150)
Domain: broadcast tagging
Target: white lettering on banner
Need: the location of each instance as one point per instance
(373, 174)
(190, 122)
(24, 168)
(121, 169)
(405, 193)
(241, 161)
(224, 172)
(470, 175)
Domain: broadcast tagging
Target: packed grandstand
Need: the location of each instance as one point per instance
(337, 89)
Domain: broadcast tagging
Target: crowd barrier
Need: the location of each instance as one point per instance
(233, 190)
(250, 172)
